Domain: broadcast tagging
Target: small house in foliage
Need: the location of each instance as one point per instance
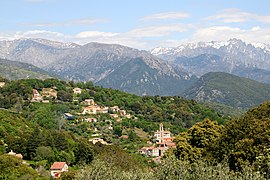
(89, 102)
(20, 156)
(77, 90)
(57, 168)
(36, 96)
(2, 84)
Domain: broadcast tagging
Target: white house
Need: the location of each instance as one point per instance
(95, 140)
(57, 168)
(2, 84)
(114, 109)
(36, 96)
(77, 90)
(89, 102)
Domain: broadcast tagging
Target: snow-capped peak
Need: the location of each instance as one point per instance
(262, 46)
(183, 49)
(161, 50)
(55, 44)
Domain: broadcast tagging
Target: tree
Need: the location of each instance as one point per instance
(196, 142)
(117, 130)
(44, 153)
(243, 140)
(12, 167)
(83, 152)
(64, 96)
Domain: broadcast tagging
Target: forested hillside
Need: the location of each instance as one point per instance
(228, 89)
(45, 121)
(18, 70)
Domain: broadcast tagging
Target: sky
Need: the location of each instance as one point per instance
(142, 24)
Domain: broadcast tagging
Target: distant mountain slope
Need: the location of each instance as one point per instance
(17, 70)
(124, 68)
(96, 61)
(233, 56)
(39, 52)
(229, 89)
(205, 63)
(137, 77)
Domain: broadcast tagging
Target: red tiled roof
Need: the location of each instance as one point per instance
(58, 165)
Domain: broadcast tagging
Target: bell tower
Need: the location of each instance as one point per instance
(161, 130)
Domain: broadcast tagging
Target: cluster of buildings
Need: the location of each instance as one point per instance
(164, 141)
(46, 93)
(20, 156)
(93, 108)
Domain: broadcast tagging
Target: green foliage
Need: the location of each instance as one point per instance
(117, 157)
(117, 131)
(60, 85)
(170, 169)
(12, 167)
(100, 170)
(179, 112)
(244, 139)
(21, 71)
(84, 153)
(68, 175)
(42, 135)
(242, 142)
(230, 90)
(39, 144)
(175, 169)
(64, 96)
(195, 143)
(44, 153)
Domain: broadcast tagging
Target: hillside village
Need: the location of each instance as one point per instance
(95, 115)
(90, 113)
(50, 128)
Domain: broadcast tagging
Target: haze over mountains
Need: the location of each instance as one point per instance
(162, 71)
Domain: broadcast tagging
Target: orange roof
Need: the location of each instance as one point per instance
(58, 165)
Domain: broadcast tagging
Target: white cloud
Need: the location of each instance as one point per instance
(234, 15)
(33, 34)
(223, 33)
(166, 16)
(80, 38)
(85, 21)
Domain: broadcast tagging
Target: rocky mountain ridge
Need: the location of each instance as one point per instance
(233, 56)
(94, 61)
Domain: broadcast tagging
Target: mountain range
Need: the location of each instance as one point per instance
(102, 64)
(161, 71)
(233, 56)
